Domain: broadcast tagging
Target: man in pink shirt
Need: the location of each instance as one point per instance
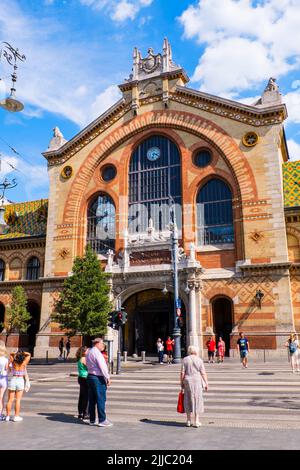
(98, 380)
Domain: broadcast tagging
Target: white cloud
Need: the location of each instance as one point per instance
(294, 149)
(119, 10)
(292, 100)
(104, 100)
(29, 176)
(245, 41)
(50, 79)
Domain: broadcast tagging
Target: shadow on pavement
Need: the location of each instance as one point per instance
(162, 423)
(62, 418)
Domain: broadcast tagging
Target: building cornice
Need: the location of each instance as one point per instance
(231, 109)
(22, 243)
(266, 268)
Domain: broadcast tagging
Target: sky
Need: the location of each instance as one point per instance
(78, 51)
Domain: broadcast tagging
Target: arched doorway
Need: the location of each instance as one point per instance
(2, 316)
(150, 316)
(223, 319)
(34, 324)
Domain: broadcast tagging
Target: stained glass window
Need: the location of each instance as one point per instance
(214, 213)
(101, 219)
(154, 181)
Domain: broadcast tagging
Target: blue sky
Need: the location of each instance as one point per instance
(78, 51)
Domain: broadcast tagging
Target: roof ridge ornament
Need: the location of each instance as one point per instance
(57, 140)
(153, 64)
(271, 95)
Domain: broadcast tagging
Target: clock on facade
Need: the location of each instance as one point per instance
(153, 154)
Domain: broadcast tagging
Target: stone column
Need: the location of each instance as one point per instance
(193, 337)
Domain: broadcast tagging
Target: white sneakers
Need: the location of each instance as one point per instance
(188, 424)
(105, 424)
(15, 419)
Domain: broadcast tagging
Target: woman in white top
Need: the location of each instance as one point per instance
(293, 344)
(3, 376)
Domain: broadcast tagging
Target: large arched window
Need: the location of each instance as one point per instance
(214, 214)
(101, 224)
(2, 270)
(33, 269)
(154, 181)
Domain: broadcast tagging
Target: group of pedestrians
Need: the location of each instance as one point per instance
(214, 349)
(14, 379)
(93, 380)
(167, 349)
(61, 346)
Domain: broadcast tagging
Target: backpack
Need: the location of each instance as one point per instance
(292, 347)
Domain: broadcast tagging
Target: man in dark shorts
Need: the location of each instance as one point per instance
(169, 348)
(243, 348)
(68, 347)
(211, 347)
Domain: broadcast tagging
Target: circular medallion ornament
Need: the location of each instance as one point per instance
(67, 172)
(250, 139)
(153, 154)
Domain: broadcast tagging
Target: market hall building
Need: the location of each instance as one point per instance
(223, 164)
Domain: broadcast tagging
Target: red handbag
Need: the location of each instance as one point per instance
(180, 404)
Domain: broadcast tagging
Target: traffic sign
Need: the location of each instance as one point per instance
(178, 303)
(178, 312)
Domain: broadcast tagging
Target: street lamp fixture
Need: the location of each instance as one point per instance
(165, 290)
(12, 55)
(259, 296)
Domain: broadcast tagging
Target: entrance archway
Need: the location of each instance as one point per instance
(150, 316)
(223, 319)
(34, 324)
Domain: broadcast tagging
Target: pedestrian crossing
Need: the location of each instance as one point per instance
(263, 396)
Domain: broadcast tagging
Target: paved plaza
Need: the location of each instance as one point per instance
(257, 408)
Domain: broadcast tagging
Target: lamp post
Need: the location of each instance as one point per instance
(12, 55)
(177, 306)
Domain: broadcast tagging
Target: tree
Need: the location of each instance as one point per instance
(17, 315)
(84, 304)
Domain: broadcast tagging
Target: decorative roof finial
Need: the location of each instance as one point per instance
(57, 140)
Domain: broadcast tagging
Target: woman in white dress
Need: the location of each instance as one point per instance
(193, 380)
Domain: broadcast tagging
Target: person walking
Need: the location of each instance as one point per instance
(169, 348)
(244, 349)
(82, 381)
(61, 349)
(104, 353)
(68, 347)
(160, 350)
(98, 380)
(211, 347)
(193, 380)
(293, 349)
(3, 377)
(16, 383)
(221, 350)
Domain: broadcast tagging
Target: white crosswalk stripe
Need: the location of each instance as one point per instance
(263, 396)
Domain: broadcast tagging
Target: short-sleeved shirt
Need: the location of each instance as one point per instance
(61, 344)
(169, 344)
(211, 346)
(243, 344)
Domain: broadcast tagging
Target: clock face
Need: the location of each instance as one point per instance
(153, 154)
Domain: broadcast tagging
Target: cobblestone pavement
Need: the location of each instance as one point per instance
(255, 408)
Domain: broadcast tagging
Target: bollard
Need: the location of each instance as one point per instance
(143, 354)
(264, 355)
(47, 356)
(125, 356)
(65, 356)
(111, 367)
